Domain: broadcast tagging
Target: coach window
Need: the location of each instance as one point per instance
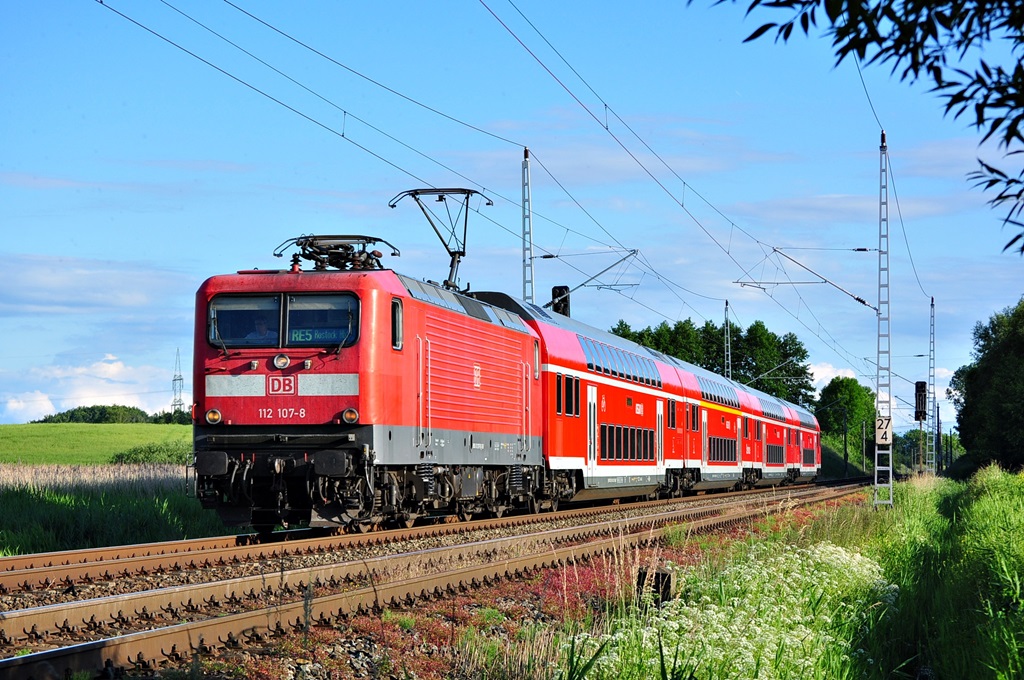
(536, 360)
(617, 366)
(397, 330)
(593, 362)
(558, 393)
(612, 365)
(244, 321)
(632, 368)
(570, 404)
(606, 360)
(322, 320)
(620, 364)
(649, 372)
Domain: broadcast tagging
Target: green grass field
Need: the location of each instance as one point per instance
(84, 444)
(66, 486)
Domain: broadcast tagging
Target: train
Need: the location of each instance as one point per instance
(349, 395)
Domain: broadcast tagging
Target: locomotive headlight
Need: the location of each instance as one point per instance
(213, 416)
(350, 416)
(281, 361)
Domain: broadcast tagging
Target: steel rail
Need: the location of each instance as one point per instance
(144, 649)
(47, 570)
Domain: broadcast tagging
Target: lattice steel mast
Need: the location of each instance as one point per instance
(177, 383)
(728, 344)
(527, 230)
(883, 364)
(929, 459)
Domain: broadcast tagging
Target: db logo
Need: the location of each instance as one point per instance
(280, 384)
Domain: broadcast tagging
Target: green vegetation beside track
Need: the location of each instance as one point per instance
(931, 587)
(72, 485)
(88, 443)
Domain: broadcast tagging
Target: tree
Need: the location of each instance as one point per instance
(172, 418)
(116, 414)
(934, 40)
(797, 385)
(98, 414)
(988, 394)
(843, 405)
(777, 366)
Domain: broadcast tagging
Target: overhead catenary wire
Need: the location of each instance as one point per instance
(724, 249)
(892, 178)
(269, 96)
(377, 83)
(369, 125)
(342, 134)
(349, 114)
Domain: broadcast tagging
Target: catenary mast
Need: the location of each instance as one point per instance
(883, 365)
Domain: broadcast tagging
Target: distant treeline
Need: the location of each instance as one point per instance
(116, 414)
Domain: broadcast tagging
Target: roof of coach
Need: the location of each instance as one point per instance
(436, 294)
(532, 312)
(713, 387)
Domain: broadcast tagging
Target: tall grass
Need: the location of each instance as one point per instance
(775, 611)
(932, 587)
(958, 551)
(50, 508)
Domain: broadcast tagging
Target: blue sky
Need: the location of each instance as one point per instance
(131, 171)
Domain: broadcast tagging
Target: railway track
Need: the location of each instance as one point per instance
(72, 570)
(230, 596)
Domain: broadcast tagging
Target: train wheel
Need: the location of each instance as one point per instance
(264, 534)
(498, 511)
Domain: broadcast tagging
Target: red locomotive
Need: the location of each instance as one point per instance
(350, 394)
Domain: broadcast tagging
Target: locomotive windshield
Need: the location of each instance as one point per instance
(310, 320)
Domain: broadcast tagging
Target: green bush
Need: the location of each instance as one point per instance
(177, 452)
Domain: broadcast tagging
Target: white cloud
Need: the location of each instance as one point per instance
(823, 373)
(69, 285)
(108, 381)
(26, 407)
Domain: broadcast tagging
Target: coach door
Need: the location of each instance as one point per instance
(703, 436)
(659, 439)
(591, 430)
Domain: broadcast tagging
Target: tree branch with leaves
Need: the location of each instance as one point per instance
(945, 42)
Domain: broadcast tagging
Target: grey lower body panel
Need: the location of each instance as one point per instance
(599, 487)
(414, 446)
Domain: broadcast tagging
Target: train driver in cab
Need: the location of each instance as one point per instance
(261, 333)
